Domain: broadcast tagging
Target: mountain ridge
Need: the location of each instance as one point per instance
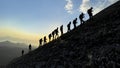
(93, 44)
(10, 50)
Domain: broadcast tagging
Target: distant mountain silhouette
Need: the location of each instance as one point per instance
(9, 51)
(94, 44)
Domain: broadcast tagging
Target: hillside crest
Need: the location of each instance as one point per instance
(86, 46)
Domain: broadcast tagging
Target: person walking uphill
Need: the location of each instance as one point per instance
(40, 42)
(53, 33)
(81, 18)
(56, 33)
(68, 26)
(75, 22)
(45, 40)
(61, 29)
(89, 11)
(30, 47)
(22, 52)
(50, 35)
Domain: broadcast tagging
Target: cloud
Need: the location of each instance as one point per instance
(98, 5)
(85, 5)
(69, 6)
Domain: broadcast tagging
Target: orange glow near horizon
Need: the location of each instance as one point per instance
(20, 36)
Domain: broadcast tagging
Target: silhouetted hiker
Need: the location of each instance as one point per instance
(68, 26)
(40, 42)
(56, 32)
(75, 22)
(22, 52)
(89, 11)
(45, 40)
(81, 18)
(53, 33)
(30, 47)
(50, 35)
(61, 29)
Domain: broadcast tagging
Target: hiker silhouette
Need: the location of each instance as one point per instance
(22, 52)
(89, 11)
(81, 18)
(53, 33)
(30, 47)
(61, 29)
(45, 40)
(68, 26)
(50, 35)
(75, 22)
(56, 32)
(40, 42)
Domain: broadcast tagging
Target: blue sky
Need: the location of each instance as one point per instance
(39, 17)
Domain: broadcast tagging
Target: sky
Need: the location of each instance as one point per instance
(26, 21)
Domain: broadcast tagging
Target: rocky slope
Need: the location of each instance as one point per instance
(94, 44)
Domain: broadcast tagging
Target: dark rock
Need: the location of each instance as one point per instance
(94, 44)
